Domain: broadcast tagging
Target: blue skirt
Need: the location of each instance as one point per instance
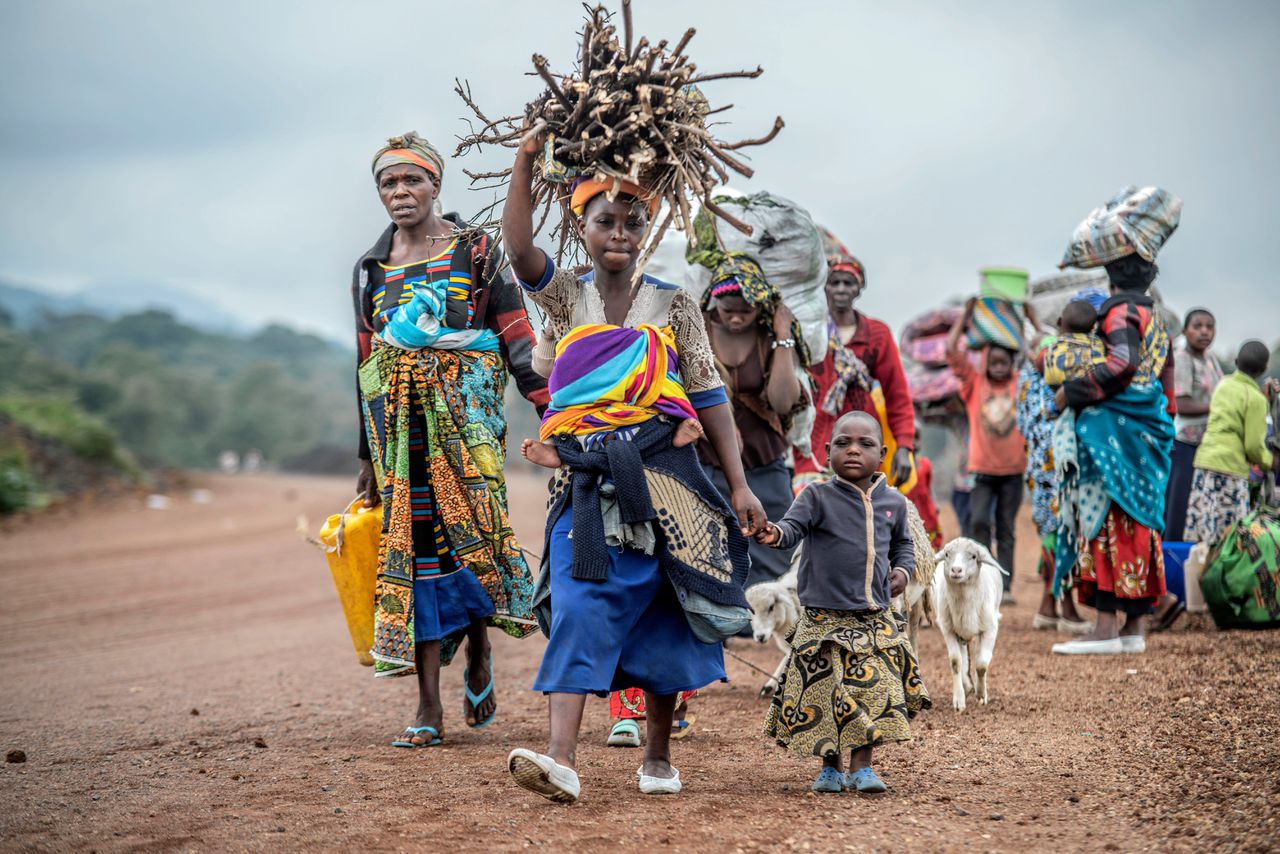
(627, 631)
(444, 605)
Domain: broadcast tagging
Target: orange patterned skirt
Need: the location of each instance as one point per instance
(1126, 559)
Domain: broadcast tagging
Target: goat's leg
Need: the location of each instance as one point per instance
(771, 687)
(986, 646)
(913, 628)
(966, 666)
(958, 657)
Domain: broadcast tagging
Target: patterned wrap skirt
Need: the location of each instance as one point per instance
(1217, 502)
(1124, 562)
(853, 681)
(448, 556)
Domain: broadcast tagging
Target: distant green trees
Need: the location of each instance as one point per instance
(146, 389)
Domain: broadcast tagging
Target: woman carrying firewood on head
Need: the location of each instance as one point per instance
(613, 563)
(644, 560)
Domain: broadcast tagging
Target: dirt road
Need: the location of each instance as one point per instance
(181, 679)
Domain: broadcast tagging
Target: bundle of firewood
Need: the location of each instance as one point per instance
(630, 110)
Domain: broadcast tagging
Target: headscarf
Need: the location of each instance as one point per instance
(412, 149)
(738, 273)
(847, 264)
(586, 189)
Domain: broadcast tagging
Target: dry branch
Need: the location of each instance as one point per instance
(630, 111)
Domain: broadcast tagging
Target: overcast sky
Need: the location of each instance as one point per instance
(223, 147)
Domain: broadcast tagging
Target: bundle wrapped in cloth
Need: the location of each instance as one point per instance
(785, 243)
(996, 321)
(1134, 221)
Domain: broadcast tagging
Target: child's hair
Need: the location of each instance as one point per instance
(1079, 316)
(859, 415)
(1194, 313)
(1008, 351)
(1253, 358)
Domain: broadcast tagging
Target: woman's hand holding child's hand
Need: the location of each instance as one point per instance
(768, 534)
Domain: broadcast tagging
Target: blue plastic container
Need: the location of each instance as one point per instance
(1175, 559)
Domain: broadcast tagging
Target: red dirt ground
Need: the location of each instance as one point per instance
(182, 680)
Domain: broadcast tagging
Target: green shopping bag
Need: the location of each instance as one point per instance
(1241, 581)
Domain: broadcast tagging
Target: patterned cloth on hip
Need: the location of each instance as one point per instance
(852, 681)
(449, 516)
(1117, 452)
(608, 376)
(1217, 502)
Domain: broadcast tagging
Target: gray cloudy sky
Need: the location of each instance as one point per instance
(223, 147)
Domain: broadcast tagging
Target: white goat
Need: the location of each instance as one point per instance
(775, 610)
(966, 600)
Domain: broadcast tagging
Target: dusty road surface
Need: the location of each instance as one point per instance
(181, 679)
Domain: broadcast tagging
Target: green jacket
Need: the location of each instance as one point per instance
(1237, 431)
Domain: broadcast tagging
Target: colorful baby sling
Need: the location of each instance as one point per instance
(609, 376)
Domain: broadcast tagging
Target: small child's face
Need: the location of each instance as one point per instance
(855, 450)
(999, 365)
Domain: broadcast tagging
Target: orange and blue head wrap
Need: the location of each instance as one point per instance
(412, 149)
(586, 189)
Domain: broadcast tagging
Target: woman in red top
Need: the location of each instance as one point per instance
(860, 353)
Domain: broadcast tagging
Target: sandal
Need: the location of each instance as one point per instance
(866, 781)
(829, 780)
(625, 733)
(474, 700)
(416, 732)
(1163, 622)
(684, 728)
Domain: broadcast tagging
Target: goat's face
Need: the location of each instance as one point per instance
(772, 608)
(961, 560)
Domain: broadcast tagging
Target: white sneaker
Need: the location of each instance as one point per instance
(659, 785)
(1089, 647)
(544, 775)
(1133, 643)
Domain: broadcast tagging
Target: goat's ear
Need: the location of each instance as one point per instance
(944, 553)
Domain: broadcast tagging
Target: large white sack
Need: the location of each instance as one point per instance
(787, 245)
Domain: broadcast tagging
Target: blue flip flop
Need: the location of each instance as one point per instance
(866, 781)
(829, 780)
(411, 731)
(476, 699)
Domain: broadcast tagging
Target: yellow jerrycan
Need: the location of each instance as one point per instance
(350, 542)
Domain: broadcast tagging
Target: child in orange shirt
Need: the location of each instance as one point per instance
(997, 451)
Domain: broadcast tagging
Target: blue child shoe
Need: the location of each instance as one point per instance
(866, 781)
(829, 780)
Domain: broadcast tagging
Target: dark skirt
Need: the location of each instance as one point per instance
(627, 631)
(1178, 492)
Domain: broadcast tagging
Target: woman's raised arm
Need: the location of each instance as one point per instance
(527, 261)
